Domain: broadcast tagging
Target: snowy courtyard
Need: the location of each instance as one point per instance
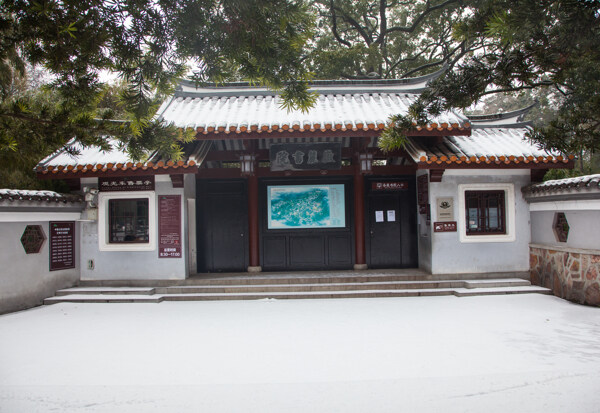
(527, 353)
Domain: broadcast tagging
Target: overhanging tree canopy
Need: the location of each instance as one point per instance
(528, 44)
(149, 43)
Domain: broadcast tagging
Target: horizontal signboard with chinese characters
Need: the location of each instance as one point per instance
(389, 186)
(444, 226)
(126, 183)
(305, 156)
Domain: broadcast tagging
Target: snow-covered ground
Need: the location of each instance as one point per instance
(529, 353)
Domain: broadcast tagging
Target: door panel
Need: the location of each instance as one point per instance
(222, 227)
(384, 231)
(391, 227)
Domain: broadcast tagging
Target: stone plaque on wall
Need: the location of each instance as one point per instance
(305, 156)
(445, 209)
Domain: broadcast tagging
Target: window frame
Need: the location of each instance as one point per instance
(483, 212)
(104, 243)
(509, 213)
(135, 219)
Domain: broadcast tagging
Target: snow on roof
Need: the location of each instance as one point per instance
(92, 160)
(340, 106)
(41, 196)
(579, 183)
(485, 145)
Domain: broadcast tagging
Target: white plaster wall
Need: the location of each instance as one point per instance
(25, 279)
(584, 229)
(134, 265)
(451, 256)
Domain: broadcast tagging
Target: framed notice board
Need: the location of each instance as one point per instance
(62, 245)
(169, 226)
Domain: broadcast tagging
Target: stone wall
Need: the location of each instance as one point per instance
(572, 274)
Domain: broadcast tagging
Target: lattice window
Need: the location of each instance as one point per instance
(128, 221)
(33, 238)
(485, 212)
(560, 227)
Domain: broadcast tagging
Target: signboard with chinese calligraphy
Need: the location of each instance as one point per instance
(126, 183)
(62, 245)
(389, 186)
(305, 156)
(169, 226)
(444, 226)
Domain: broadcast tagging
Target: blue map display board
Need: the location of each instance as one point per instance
(306, 206)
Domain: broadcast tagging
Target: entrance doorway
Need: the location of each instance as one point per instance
(391, 233)
(222, 231)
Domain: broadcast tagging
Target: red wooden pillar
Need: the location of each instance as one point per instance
(359, 220)
(253, 243)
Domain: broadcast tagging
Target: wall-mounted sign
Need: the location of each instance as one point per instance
(444, 226)
(305, 156)
(422, 193)
(62, 245)
(389, 186)
(169, 226)
(445, 209)
(126, 183)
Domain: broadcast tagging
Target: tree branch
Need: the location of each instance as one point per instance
(366, 37)
(334, 26)
(418, 20)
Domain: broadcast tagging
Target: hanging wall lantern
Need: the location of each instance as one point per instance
(247, 165)
(366, 163)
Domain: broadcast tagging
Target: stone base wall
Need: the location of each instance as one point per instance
(571, 274)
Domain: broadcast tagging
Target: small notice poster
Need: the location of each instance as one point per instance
(169, 226)
(378, 216)
(62, 245)
(391, 215)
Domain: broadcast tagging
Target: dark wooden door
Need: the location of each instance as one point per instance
(222, 227)
(391, 230)
(384, 231)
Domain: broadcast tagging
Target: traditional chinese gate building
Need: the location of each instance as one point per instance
(264, 189)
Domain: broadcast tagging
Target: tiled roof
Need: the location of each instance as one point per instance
(499, 119)
(489, 145)
(92, 160)
(587, 182)
(41, 196)
(340, 106)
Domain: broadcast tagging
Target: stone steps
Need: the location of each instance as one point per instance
(314, 287)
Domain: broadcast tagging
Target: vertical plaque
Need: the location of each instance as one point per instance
(445, 209)
(62, 245)
(422, 193)
(169, 226)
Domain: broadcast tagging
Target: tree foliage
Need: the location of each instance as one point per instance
(149, 43)
(359, 39)
(527, 45)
